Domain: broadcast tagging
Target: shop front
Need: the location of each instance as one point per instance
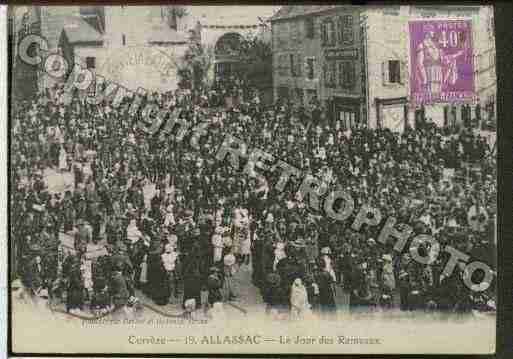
(346, 111)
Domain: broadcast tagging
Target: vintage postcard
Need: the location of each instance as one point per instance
(317, 179)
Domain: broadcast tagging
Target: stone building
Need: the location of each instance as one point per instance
(222, 28)
(126, 43)
(22, 21)
(356, 60)
(136, 46)
(317, 54)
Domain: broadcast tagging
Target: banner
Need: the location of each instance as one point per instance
(442, 65)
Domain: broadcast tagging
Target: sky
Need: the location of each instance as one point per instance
(231, 15)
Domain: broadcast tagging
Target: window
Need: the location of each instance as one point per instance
(283, 92)
(295, 65)
(328, 33)
(295, 32)
(394, 70)
(331, 33)
(347, 35)
(299, 95)
(282, 65)
(347, 75)
(310, 27)
(310, 72)
(324, 34)
(330, 73)
(340, 30)
(123, 39)
(90, 62)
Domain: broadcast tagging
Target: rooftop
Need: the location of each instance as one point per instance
(232, 15)
(288, 12)
(78, 30)
(164, 34)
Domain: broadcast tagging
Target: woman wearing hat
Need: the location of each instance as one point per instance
(169, 260)
(229, 261)
(157, 285)
(242, 234)
(75, 291)
(192, 278)
(274, 294)
(214, 284)
(325, 284)
(300, 307)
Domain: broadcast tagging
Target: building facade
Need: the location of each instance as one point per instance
(22, 21)
(317, 55)
(356, 61)
(126, 43)
(136, 46)
(222, 28)
(388, 66)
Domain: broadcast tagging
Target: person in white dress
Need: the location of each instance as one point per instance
(133, 234)
(299, 305)
(326, 256)
(218, 244)
(63, 159)
(279, 253)
(242, 234)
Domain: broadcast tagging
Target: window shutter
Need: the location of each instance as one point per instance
(340, 30)
(349, 34)
(384, 72)
(341, 74)
(403, 72)
(333, 33)
(283, 64)
(352, 75)
(299, 62)
(334, 74)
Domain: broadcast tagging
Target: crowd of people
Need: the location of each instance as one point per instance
(175, 222)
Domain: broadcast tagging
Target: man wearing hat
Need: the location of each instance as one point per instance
(83, 235)
(324, 281)
(169, 259)
(191, 275)
(119, 290)
(214, 284)
(120, 257)
(229, 261)
(275, 295)
(34, 272)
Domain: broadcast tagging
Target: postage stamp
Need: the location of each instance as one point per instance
(252, 179)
